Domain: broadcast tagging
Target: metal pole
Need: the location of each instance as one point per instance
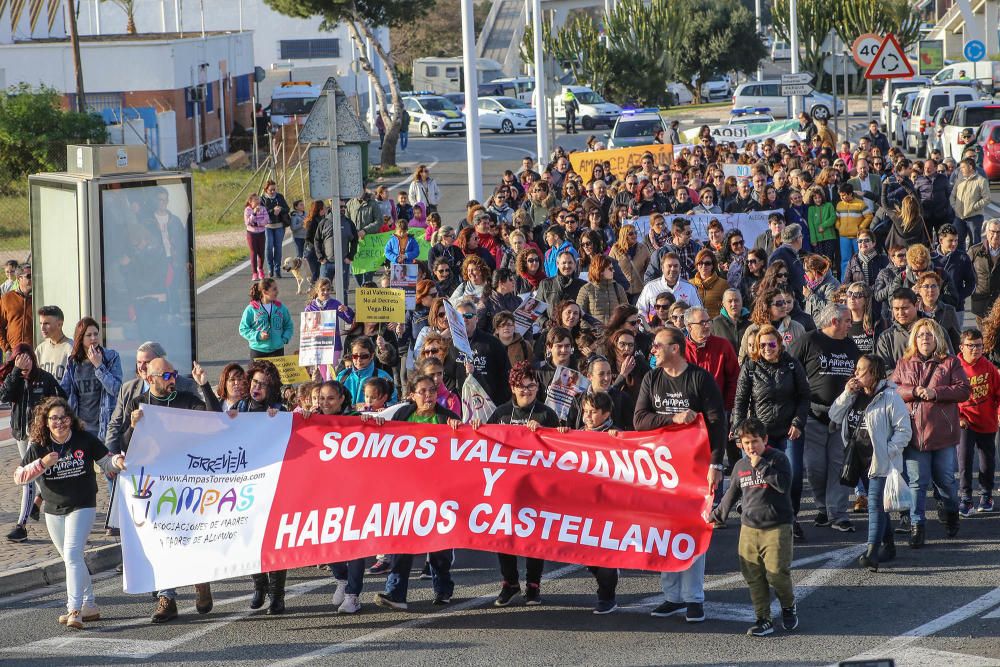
(869, 86)
(847, 101)
(760, 70)
(471, 80)
(833, 67)
(541, 111)
(793, 21)
(338, 242)
(202, 11)
(97, 15)
(256, 159)
(241, 14)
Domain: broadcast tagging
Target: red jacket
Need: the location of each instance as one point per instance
(935, 423)
(718, 358)
(980, 411)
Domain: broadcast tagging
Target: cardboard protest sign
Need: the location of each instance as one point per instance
(289, 369)
(621, 158)
(380, 304)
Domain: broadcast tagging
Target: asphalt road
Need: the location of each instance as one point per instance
(937, 606)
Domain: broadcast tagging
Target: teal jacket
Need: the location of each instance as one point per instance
(256, 320)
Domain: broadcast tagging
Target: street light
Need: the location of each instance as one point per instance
(793, 19)
(471, 79)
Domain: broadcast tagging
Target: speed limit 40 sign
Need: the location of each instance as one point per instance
(864, 48)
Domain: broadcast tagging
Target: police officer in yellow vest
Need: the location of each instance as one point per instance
(571, 106)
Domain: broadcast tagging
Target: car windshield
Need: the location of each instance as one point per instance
(437, 104)
(292, 106)
(638, 128)
(511, 103)
(976, 116)
(589, 97)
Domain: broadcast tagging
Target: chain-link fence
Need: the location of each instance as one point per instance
(14, 221)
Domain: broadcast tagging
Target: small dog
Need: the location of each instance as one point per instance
(293, 265)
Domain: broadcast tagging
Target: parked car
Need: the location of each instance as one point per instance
(750, 116)
(458, 99)
(679, 93)
(434, 115)
(716, 89)
(962, 125)
(636, 127)
(505, 114)
(767, 93)
(986, 142)
(891, 93)
(981, 71)
(902, 118)
(594, 109)
(929, 100)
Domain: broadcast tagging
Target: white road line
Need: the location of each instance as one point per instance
(378, 635)
(231, 272)
(901, 642)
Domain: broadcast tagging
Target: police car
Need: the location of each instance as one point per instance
(636, 127)
(750, 116)
(434, 115)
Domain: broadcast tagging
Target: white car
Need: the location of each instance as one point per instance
(434, 115)
(750, 116)
(921, 122)
(716, 89)
(962, 123)
(505, 114)
(636, 127)
(902, 117)
(781, 51)
(679, 93)
(767, 93)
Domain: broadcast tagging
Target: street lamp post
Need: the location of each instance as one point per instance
(793, 20)
(471, 79)
(541, 111)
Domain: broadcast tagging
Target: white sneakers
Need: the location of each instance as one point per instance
(338, 595)
(350, 605)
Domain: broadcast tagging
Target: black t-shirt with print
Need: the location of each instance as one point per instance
(71, 483)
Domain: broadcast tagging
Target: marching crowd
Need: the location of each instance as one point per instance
(828, 349)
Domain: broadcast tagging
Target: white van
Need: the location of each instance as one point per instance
(929, 100)
(594, 109)
(981, 71)
(444, 75)
(518, 87)
(889, 93)
(292, 101)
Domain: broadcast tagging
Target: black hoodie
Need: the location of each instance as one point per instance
(764, 490)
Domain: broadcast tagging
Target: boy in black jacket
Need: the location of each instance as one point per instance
(763, 480)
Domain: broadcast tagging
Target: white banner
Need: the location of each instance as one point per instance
(782, 131)
(191, 514)
(750, 224)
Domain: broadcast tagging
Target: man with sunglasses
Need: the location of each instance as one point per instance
(17, 318)
(489, 363)
(788, 252)
(161, 390)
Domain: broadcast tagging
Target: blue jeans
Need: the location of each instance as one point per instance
(398, 582)
(971, 226)
(314, 264)
(848, 248)
(923, 468)
(404, 140)
(300, 245)
(328, 271)
(879, 524)
(69, 534)
(687, 586)
(351, 571)
(272, 249)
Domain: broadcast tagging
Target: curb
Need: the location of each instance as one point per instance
(47, 573)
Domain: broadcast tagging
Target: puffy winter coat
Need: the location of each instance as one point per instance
(935, 423)
(599, 299)
(888, 424)
(777, 394)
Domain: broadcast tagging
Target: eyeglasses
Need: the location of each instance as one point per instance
(531, 260)
(855, 295)
(780, 303)
(677, 317)
(702, 323)
(258, 383)
(782, 275)
(527, 387)
(737, 244)
(54, 419)
(166, 375)
(361, 357)
(973, 346)
(899, 255)
(442, 269)
(469, 316)
(753, 260)
(770, 346)
(705, 263)
(662, 306)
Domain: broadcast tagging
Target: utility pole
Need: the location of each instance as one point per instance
(471, 82)
(74, 40)
(793, 20)
(541, 112)
(760, 69)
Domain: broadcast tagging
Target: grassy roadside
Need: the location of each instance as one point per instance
(212, 261)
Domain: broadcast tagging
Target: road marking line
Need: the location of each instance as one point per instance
(900, 642)
(993, 614)
(918, 656)
(352, 644)
(231, 272)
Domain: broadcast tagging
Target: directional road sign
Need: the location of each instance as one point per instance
(889, 62)
(796, 90)
(798, 78)
(974, 50)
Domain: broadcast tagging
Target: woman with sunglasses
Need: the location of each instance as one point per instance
(633, 258)
(444, 248)
(629, 318)
(770, 308)
(865, 324)
(530, 272)
(444, 275)
(867, 263)
(264, 395)
(753, 273)
(92, 379)
(61, 457)
(710, 285)
(417, 319)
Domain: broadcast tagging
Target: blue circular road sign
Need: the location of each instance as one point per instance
(974, 50)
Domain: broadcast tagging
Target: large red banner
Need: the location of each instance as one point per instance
(348, 490)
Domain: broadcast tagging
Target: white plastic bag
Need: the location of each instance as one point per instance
(897, 496)
(476, 403)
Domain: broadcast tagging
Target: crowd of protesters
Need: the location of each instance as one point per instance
(835, 332)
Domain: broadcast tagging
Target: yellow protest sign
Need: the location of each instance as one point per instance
(621, 159)
(289, 369)
(379, 304)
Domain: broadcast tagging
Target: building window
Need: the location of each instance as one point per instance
(243, 88)
(305, 49)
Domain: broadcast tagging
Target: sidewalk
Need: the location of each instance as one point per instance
(35, 562)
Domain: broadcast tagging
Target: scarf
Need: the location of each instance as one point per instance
(657, 241)
(533, 278)
(813, 283)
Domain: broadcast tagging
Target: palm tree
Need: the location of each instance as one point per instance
(127, 6)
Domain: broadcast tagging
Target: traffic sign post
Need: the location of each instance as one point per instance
(796, 84)
(889, 62)
(974, 50)
(863, 51)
